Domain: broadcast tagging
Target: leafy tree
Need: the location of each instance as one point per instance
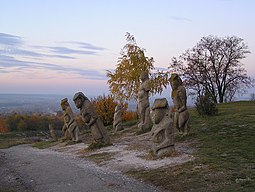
(124, 81)
(214, 66)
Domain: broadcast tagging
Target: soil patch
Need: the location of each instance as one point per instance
(129, 151)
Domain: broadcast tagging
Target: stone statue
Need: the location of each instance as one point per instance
(70, 128)
(162, 131)
(143, 102)
(90, 117)
(53, 132)
(117, 121)
(180, 111)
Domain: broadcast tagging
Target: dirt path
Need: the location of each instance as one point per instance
(24, 168)
(73, 168)
(130, 151)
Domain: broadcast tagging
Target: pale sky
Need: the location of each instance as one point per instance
(63, 46)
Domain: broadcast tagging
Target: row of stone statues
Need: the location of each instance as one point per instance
(89, 116)
(163, 119)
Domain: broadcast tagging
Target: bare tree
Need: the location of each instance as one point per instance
(214, 66)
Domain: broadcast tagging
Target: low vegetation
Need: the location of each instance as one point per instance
(224, 157)
(11, 139)
(44, 144)
(24, 122)
(105, 108)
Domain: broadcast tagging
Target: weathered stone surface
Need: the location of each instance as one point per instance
(53, 132)
(143, 103)
(179, 97)
(117, 119)
(162, 131)
(70, 128)
(90, 117)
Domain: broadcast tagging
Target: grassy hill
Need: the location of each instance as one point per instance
(225, 155)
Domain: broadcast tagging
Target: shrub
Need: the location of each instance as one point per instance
(252, 97)
(205, 105)
(23, 122)
(105, 108)
(3, 126)
(129, 116)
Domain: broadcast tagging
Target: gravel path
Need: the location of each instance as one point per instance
(23, 168)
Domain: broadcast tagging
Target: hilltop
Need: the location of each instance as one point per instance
(217, 155)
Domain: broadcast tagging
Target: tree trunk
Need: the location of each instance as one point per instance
(221, 98)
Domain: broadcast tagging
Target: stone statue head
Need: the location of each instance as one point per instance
(144, 76)
(78, 99)
(175, 81)
(159, 110)
(64, 103)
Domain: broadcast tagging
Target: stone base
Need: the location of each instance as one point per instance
(165, 151)
(118, 127)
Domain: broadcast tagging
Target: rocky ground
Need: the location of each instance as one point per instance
(129, 151)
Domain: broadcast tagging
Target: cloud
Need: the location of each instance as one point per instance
(181, 19)
(10, 40)
(61, 56)
(26, 53)
(65, 50)
(14, 53)
(14, 45)
(85, 45)
(8, 63)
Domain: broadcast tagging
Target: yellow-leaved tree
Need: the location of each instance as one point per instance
(125, 79)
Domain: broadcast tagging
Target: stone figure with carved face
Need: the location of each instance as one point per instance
(143, 102)
(162, 131)
(70, 128)
(180, 111)
(90, 117)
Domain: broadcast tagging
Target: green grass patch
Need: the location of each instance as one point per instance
(101, 157)
(97, 145)
(44, 144)
(130, 123)
(225, 155)
(13, 138)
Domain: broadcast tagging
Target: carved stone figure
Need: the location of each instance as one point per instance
(180, 111)
(53, 132)
(90, 117)
(162, 131)
(143, 102)
(70, 128)
(117, 121)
